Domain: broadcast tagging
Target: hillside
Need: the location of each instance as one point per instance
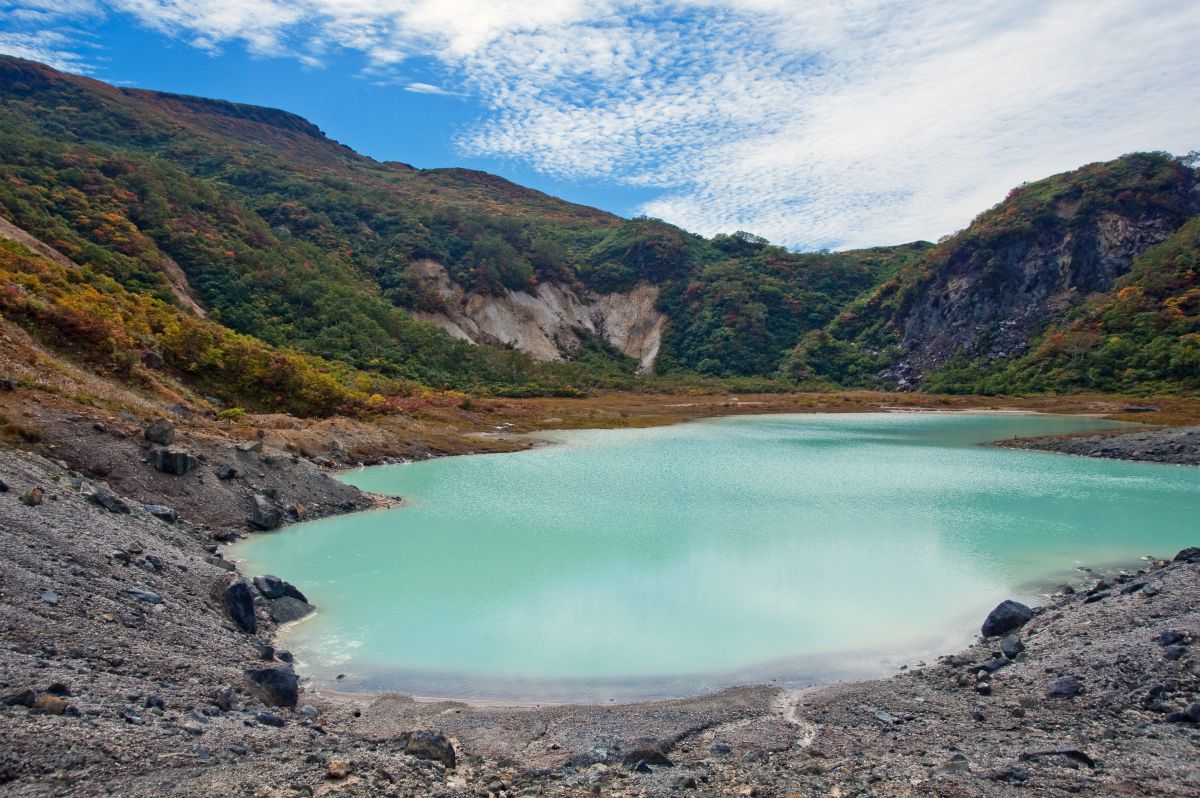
(1083, 281)
(381, 275)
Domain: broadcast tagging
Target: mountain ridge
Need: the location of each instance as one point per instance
(278, 232)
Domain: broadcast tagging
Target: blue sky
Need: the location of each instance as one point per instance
(827, 123)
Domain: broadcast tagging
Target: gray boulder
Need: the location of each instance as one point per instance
(163, 512)
(286, 609)
(173, 461)
(266, 514)
(160, 431)
(430, 745)
(109, 502)
(269, 585)
(278, 687)
(1007, 616)
(239, 603)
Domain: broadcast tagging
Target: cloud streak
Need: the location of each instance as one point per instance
(815, 124)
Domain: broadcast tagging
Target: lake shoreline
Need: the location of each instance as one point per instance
(118, 648)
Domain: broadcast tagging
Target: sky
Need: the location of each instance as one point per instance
(816, 124)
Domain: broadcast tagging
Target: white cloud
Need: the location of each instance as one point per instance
(823, 123)
(428, 88)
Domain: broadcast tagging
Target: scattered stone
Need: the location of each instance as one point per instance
(133, 718)
(266, 514)
(50, 597)
(109, 502)
(1065, 687)
(649, 752)
(279, 686)
(220, 562)
(49, 705)
(269, 585)
(1073, 754)
(432, 746)
(225, 698)
(249, 446)
(162, 512)
(173, 461)
(1094, 597)
(160, 431)
(1132, 588)
(1011, 646)
(148, 596)
(239, 603)
(339, 768)
(226, 473)
(1014, 774)
(1007, 616)
(269, 719)
(286, 609)
(1172, 637)
(307, 713)
(1189, 715)
(23, 697)
(33, 496)
(3, 486)
(1189, 555)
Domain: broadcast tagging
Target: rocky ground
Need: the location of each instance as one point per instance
(135, 660)
(1178, 445)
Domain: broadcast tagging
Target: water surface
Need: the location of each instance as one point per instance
(625, 564)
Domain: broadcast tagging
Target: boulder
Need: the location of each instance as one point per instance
(1008, 616)
(225, 698)
(173, 461)
(148, 596)
(160, 431)
(249, 446)
(266, 514)
(294, 592)
(648, 752)
(239, 603)
(1012, 646)
(278, 686)
(109, 502)
(269, 585)
(286, 609)
(1189, 555)
(152, 360)
(32, 497)
(1065, 687)
(163, 512)
(430, 745)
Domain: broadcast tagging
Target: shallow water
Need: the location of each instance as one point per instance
(623, 564)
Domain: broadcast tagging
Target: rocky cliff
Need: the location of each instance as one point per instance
(993, 289)
(547, 321)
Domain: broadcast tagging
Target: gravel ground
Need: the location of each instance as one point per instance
(122, 672)
(1177, 445)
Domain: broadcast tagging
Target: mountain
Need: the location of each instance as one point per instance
(1086, 280)
(375, 278)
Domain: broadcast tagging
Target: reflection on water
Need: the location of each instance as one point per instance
(637, 563)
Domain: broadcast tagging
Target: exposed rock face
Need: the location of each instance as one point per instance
(991, 302)
(546, 324)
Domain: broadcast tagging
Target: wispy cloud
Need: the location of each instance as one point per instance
(823, 123)
(428, 88)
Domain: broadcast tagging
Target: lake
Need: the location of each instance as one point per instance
(634, 564)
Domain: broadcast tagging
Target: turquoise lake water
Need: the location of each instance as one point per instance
(625, 564)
